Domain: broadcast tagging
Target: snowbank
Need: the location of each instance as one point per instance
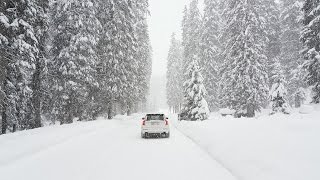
(306, 109)
(278, 147)
(226, 111)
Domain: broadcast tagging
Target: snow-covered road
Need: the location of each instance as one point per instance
(104, 150)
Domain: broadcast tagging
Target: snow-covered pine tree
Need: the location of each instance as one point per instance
(210, 50)
(310, 36)
(278, 92)
(142, 54)
(191, 33)
(19, 48)
(2, 93)
(174, 75)
(195, 106)
(244, 79)
(116, 55)
(4, 42)
(73, 66)
(184, 25)
(41, 26)
(106, 68)
(270, 11)
(291, 46)
(297, 86)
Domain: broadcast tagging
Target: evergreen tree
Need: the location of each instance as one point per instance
(290, 46)
(142, 54)
(4, 42)
(311, 41)
(270, 11)
(191, 33)
(210, 49)
(184, 26)
(174, 75)
(73, 66)
(100, 54)
(278, 90)
(244, 80)
(195, 106)
(41, 25)
(19, 48)
(116, 50)
(296, 85)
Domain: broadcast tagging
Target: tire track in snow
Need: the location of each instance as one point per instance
(213, 157)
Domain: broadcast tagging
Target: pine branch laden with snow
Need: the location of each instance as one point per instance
(244, 82)
(278, 92)
(311, 41)
(195, 106)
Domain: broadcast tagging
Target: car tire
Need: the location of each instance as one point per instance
(163, 135)
(167, 135)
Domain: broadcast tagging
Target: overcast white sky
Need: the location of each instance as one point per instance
(165, 19)
(166, 16)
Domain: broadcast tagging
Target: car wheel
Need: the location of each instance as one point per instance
(167, 135)
(163, 135)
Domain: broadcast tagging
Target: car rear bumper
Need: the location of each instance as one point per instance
(155, 131)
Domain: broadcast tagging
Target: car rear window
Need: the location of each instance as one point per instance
(155, 117)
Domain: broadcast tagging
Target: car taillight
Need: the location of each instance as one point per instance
(143, 122)
(167, 123)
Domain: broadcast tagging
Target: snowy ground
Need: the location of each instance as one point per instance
(278, 147)
(104, 149)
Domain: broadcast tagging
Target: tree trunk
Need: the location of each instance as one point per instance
(36, 99)
(4, 124)
(110, 111)
(297, 101)
(68, 117)
(250, 110)
(14, 128)
(70, 112)
(3, 75)
(129, 109)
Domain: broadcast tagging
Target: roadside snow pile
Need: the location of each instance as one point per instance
(226, 111)
(306, 109)
(23, 144)
(273, 147)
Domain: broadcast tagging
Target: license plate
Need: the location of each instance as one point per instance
(154, 123)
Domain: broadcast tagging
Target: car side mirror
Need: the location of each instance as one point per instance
(167, 118)
(143, 118)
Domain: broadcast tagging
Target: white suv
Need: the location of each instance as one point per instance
(155, 125)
